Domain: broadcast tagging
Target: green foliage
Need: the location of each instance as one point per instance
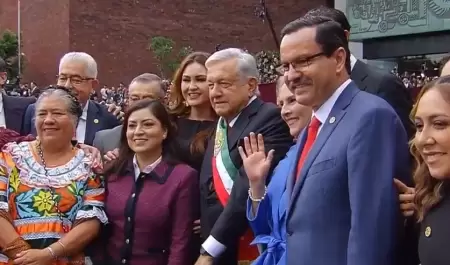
(9, 49)
(168, 57)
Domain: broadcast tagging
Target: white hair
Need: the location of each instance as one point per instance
(88, 60)
(246, 63)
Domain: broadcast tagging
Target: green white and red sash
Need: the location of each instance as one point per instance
(224, 174)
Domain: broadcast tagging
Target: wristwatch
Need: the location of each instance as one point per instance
(203, 252)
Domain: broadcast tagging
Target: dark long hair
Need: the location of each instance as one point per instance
(125, 153)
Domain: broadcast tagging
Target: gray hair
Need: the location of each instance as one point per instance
(70, 100)
(91, 65)
(246, 63)
(147, 78)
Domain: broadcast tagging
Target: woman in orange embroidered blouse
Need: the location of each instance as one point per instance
(51, 202)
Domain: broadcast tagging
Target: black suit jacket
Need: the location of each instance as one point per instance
(15, 108)
(227, 224)
(387, 86)
(98, 118)
(391, 89)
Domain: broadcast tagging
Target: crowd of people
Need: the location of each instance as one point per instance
(213, 175)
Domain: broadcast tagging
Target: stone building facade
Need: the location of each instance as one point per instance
(117, 32)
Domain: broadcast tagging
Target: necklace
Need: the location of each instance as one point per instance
(52, 190)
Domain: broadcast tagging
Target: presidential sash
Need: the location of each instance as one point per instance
(224, 174)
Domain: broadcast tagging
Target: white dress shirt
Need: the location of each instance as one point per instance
(81, 127)
(147, 169)
(323, 112)
(211, 245)
(2, 113)
(353, 61)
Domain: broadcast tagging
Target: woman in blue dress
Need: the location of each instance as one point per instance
(266, 206)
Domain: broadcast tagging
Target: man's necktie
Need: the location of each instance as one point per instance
(313, 129)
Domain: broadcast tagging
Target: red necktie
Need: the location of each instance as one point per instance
(313, 129)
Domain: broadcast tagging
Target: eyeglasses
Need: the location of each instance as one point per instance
(299, 64)
(74, 80)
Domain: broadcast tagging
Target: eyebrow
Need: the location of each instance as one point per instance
(141, 120)
(433, 116)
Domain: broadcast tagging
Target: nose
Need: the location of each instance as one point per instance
(291, 74)
(285, 111)
(138, 130)
(193, 85)
(424, 138)
(68, 84)
(214, 91)
(49, 119)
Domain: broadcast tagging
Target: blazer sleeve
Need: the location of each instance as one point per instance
(262, 221)
(394, 92)
(375, 214)
(28, 120)
(232, 222)
(98, 143)
(184, 213)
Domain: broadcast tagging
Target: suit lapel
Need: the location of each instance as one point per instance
(13, 115)
(338, 112)
(292, 173)
(285, 194)
(241, 123)
(359, 74)
(93, 122)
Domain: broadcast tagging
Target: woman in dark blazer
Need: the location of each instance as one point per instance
(151, 199)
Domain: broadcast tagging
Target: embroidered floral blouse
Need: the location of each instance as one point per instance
(25, 192)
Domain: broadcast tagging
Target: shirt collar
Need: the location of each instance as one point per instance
(353, 61)
(147, 169)
(324, 111)
(85, 110)
(233, 121)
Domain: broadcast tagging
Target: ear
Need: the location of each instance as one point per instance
(95, 84)
(341, 58)
(252, 86)
(2, 78)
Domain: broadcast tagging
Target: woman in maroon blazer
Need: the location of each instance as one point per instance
(151, 199)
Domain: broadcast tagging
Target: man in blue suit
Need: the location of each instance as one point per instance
(78, 71)
(343, 206)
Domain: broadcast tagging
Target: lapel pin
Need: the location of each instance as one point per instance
(428, 231)
(96, 121)
(332, 119)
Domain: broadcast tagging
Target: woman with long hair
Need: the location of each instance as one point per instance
(194, 117)
(191, 108)
(431, 149)
(151, 198)
(51, 201)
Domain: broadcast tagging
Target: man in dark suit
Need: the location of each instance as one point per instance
(371, 79)
(78, 71)
(343, 207)
(12, 109)
(233, 79)
(144, 86)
